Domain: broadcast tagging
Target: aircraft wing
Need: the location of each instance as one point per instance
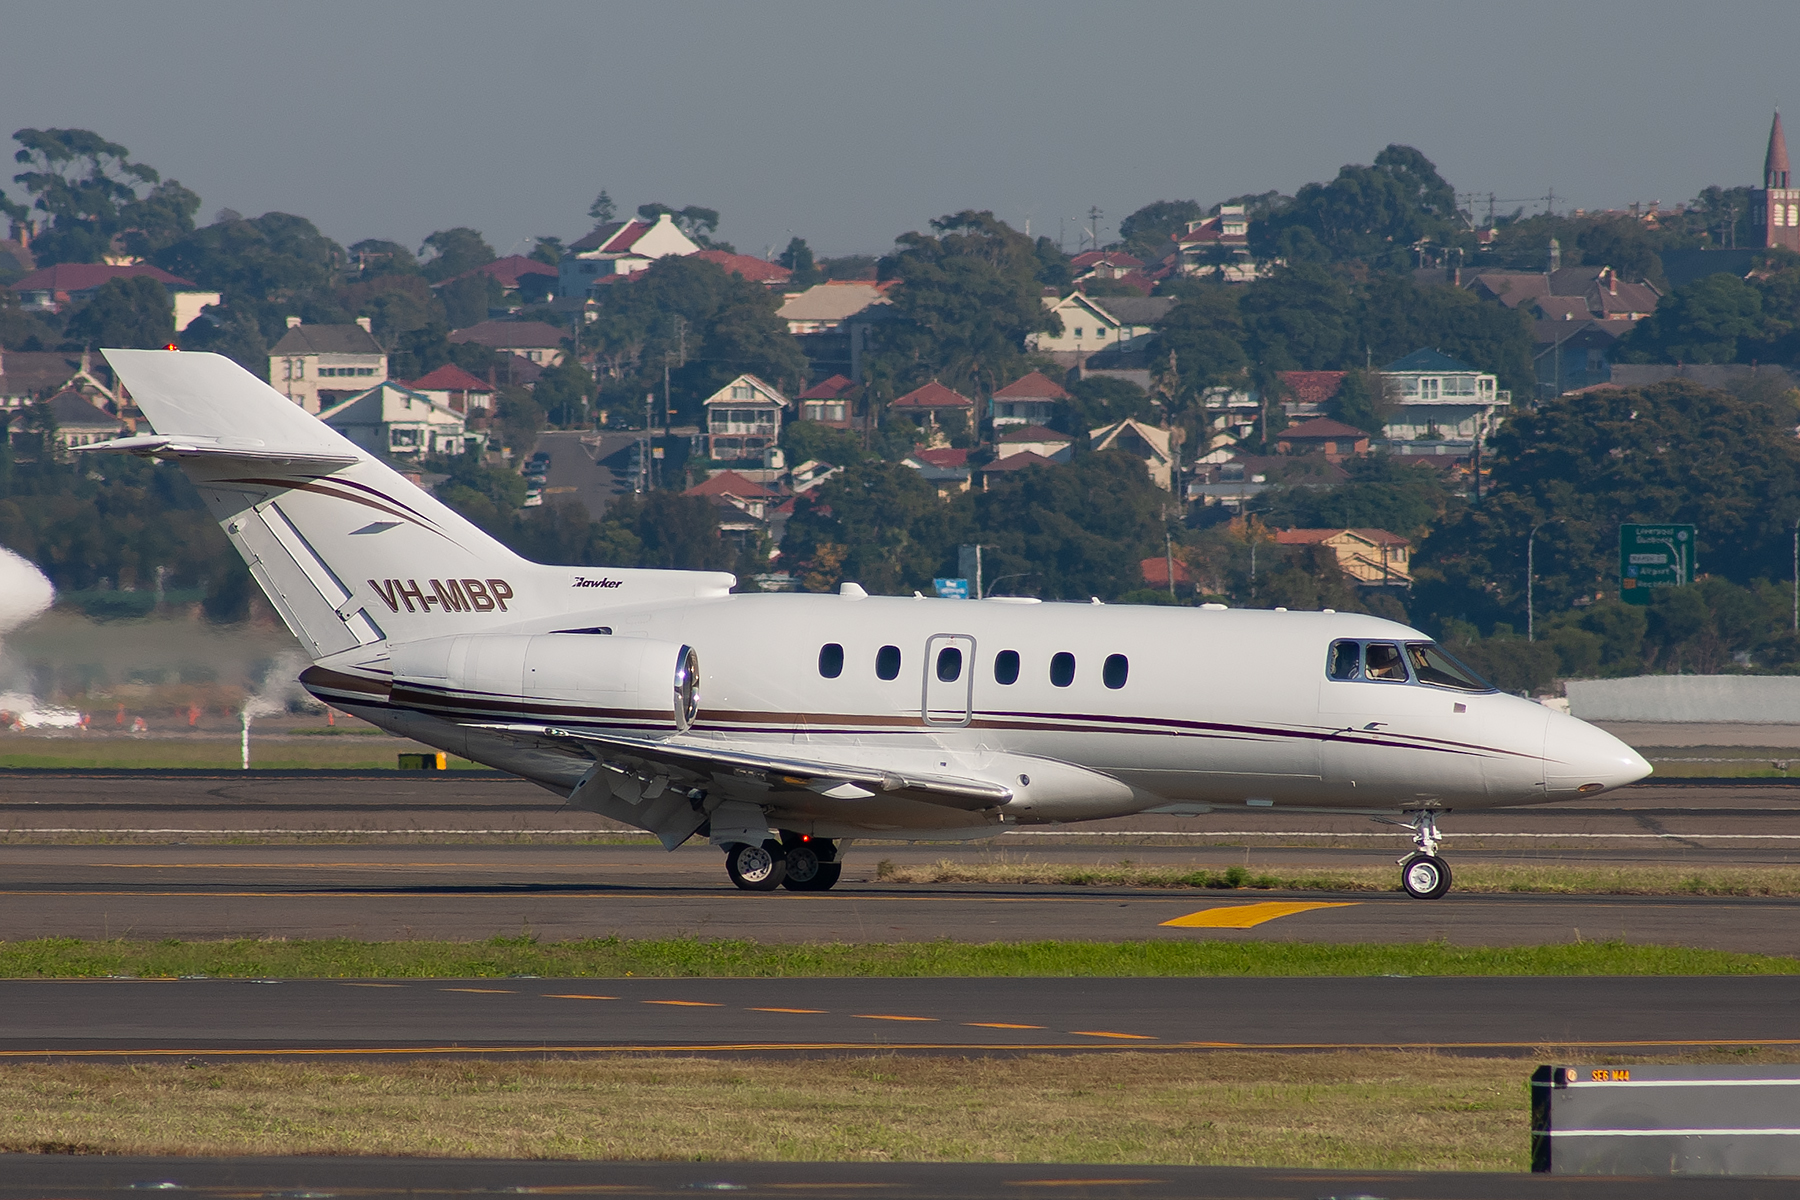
(699, 759)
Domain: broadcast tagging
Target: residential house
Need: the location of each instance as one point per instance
(1308, 393)
(751, 268)
(1030, 400)
(1110, 266)
(320, 366)
(1569, 355)
(1218, 246)
(1094, 323)
(394, 421)
(617, 249)
(1711, 375)
(81, 422)
(936, 408)
(1232, 481)
(1439, 398)
(57, 288)
(15, 254)
(830, 402)
(522, 280)
(811, 474)
(833, 321)
(1334, 439)
(1371, 557)
(743, 420)
(27, 376)
(746, 508)
(1035, 439)
(458, 390)
(1152, 446)
(945, 469)
(1568, 293)
(533, 341)
(1023, 461)
(1156, 571)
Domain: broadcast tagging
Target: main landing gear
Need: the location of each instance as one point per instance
(796, 862)
(1423, 874)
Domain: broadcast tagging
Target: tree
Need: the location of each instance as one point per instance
(565, 392)
(233, 332)
(1715, 319)
(696, 222)
(1380, 494)
(1205, 333)
(1372, 215)
(92, 191)
(798, 259)
(1148, 232)
(878, 524)
(130, 313)
(1297, 319)
(455, 251)
(466, 300)
(1397, 316)
(1072, 532)
(1100, 400)
(271, 267)
(603, 209)
(374, 257)
(548, 250)
(1362, 402)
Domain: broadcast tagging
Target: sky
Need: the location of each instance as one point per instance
(850, 123)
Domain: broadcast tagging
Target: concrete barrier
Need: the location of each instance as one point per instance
(1753, 699)
(1721, 1120)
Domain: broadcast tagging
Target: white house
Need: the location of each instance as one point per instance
(318, 366)
(1439, 399)
(1153, 446)
(743, 419)
(619, 248)
(1093, 323)
(394, 421)
(1028, 400)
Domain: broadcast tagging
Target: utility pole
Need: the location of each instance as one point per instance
(1094, 215)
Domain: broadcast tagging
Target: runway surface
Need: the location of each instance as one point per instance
(176, 1018)
(32, 1177)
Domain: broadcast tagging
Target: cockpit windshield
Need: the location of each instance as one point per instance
(1432, 665)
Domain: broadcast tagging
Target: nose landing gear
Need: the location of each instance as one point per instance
(1423, 874)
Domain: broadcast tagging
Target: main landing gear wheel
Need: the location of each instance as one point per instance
(756, 868)
(805, 871)
(1425, 876)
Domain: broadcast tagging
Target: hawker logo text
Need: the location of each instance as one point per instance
(584, 581)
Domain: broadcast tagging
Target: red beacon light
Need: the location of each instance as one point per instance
(171, 346)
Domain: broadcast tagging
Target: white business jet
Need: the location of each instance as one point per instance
(825, 718)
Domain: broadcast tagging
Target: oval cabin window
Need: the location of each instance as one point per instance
(1062, 668)
(949, 664)
(831, 660)
(887, 662)
(1115, 672)
(1006, 667)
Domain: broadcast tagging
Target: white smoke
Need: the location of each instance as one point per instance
(280, 690)
(24, 594)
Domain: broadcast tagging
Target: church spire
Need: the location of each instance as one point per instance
(1775, 162)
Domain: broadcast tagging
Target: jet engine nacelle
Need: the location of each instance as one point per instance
(559, 675)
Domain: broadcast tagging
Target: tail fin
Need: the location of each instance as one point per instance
(347, 550)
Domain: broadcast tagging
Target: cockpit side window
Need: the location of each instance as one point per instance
(1346, 660)
(1381, 660)
(1433, 666)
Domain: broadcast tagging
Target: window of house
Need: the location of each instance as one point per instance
(1115, 671)
(1078, 331)
(831, 660)
(1006, 667)
(949, 664)
(1429, 388)
(1062, 668)
(887, 662)
(740, 391)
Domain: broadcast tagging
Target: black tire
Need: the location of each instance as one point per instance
(756, 868)
(805, 873)
(1425, 877)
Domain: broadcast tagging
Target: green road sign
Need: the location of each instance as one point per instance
(1654, 556)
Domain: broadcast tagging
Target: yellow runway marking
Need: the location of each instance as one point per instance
(483, 991)
(997, 1025)
(574, 996)
(1247, 916)
(816, 1011)
(686, 1003)
(886, 1017)
(1130, 1037)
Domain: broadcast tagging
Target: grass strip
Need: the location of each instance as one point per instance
(1556, 878)
(1366, 1110)
(69, 958)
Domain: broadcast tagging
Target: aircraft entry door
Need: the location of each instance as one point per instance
(949, 678)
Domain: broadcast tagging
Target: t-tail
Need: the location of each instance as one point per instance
(348, 550)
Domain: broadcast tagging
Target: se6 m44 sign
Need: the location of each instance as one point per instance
(1654, 556)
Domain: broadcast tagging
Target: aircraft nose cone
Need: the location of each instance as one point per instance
(1582, 760)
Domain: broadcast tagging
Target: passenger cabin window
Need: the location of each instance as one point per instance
(1431, 665)
(1346, 660)
(1062, 668)
(1115, 670)
(949, 664)
(1006, 667)
(887, 662)
(1381, 660)
(831, 660)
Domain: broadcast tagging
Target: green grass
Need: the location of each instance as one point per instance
(720, 958)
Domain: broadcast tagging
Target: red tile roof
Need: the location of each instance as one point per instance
(450, 378)
(83, 277)
(1319, 428)
(1312, 387)
(612, 238)
(1156, 571)
(1018, 462)
(944, 457)
(1035, 386)
(730, 483)
(1313, 537)
(1036, 433)
(749, 266)
(508, 270)
(834, 388)
(933, 395)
